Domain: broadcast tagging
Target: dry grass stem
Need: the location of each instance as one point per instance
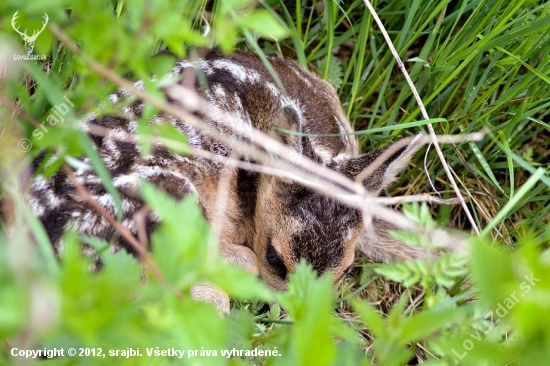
(123, 231)
(419, 140)
(424, 114)
(222, 198)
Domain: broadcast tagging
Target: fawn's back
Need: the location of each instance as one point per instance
(268, 224)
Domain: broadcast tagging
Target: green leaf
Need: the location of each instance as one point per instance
(198, 326)
(102, 172)
(264, 24)
(335, 71)
(308, 302)
(493, 280)
(408, 237)
(143, 136)
(418, 59)
(12, 300)
(370, 317)
(425, 323)
(171, 137)
(182, 249)
(398, 272)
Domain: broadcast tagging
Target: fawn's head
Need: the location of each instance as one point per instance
(294, 222)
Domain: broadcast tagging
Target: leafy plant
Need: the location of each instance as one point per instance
(477, 64)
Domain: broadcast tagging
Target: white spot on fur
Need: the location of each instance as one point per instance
(41, 191)
(342, 129)
(37, 208)
(89, 223)
(89, 117)
(111, 154)
(88, 251)
(324, 154)
(219, 92)
(105, 200)
(238, 103)
(184, 63)
(128, 112)
(292, 104)
(194, 138)
(40, 183)
(114, 248)
(273, 89)
(156, 120)
(113, 98)
(180, 65)
(302, 74)
(239, 71)
(132, 127)
(205, 67)
(138, 85)
(340, 158)
(90, 179)
(127, 180)
(130, 224)
(151, 172)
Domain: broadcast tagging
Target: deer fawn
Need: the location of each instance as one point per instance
(269, 223)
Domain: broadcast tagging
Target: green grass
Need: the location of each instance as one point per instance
(477, 64)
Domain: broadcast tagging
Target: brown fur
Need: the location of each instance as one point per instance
(267, 224)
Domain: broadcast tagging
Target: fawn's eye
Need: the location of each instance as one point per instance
(275, 261)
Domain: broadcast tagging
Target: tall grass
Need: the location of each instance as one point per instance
(477, 64)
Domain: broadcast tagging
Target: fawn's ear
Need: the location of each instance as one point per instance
(288, 128)
(378, 169)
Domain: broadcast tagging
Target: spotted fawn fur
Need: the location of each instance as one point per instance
(270, 223)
